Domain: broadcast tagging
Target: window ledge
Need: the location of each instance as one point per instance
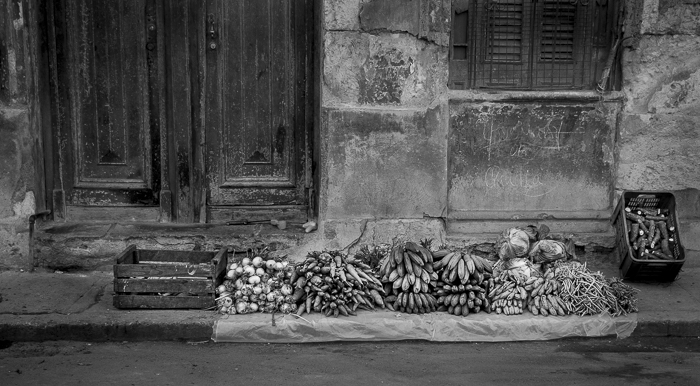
(534, 96)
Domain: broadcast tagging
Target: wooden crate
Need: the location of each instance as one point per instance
(142, 276)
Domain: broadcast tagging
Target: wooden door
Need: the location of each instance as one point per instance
(257, 116)
(106, 124)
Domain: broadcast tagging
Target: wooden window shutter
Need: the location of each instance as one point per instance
(505, 31)
(558, 25)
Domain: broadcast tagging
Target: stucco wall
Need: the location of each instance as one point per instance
(660, 124)
(385, 119)
(21, 180)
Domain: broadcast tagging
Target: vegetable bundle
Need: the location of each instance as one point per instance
(532, 243)
(544, 297)
(588, 293)
(407, 273)
(464, 282)
(651, 233)
(507, 293)
(256, 285)
(335, 284)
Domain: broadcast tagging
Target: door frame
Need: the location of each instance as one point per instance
(179, 103)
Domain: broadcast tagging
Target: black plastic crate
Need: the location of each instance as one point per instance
(656, 270)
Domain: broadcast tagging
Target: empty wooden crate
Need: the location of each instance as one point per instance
(145, 278)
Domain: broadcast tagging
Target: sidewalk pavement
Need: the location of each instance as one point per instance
(43, 306)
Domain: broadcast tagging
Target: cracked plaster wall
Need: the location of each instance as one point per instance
(384, 120)
(659, 133)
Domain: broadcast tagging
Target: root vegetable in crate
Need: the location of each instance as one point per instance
(648, 240)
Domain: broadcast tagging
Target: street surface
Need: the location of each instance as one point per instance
(632, 361)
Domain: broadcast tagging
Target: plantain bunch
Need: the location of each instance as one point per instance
(463, 267)
(463, 282)
(544, 297)
(407, 273)
(463, 299)
(507, 294)
(335, 284)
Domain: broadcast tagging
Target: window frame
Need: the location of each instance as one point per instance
(595, 32)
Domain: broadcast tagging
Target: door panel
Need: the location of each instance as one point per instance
(108, 144)
(257, 54)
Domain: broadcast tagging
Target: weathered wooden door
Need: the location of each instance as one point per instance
(105, 109)
(257, 115)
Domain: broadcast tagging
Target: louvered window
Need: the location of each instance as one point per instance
(505, 32)
(558, 24)
(533, 44)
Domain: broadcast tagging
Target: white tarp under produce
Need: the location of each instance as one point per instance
(438, 327)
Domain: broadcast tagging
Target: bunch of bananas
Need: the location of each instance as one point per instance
(507, 294)
(407, 273)
(462, 299)
(544, 295)
(463, 267)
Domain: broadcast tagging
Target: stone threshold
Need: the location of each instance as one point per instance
(94, 246)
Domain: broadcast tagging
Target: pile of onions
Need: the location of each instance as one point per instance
(256, 285)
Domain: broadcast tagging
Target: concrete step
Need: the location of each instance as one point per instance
(93, 246)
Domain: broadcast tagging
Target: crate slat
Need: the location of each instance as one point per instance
(158, 270)
(156, 302)
(195, 286)
(195, 257)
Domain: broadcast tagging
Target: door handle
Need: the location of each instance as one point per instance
(212, 31)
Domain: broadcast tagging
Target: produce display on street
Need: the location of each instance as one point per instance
(527, 272)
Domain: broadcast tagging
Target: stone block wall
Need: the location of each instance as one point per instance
(659, 131)
(384, 119)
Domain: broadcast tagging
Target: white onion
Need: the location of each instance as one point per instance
(239, 283)
(271, 297)
(260, 271)
(245, 261)
(253, 307)
(254, 279)
(233, 266)
(241, 307)
(239, 270)
(279, 266)
(231, 274)
(258, 261)
(221, 289)
(286, 289)
(257, 289)
(249, 270)
(270, 264)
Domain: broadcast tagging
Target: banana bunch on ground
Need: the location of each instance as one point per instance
(334, 284)
(544, 295)
(507, 294)
(407, 273)
(463, 267)
(462, 299)
(463, 283)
